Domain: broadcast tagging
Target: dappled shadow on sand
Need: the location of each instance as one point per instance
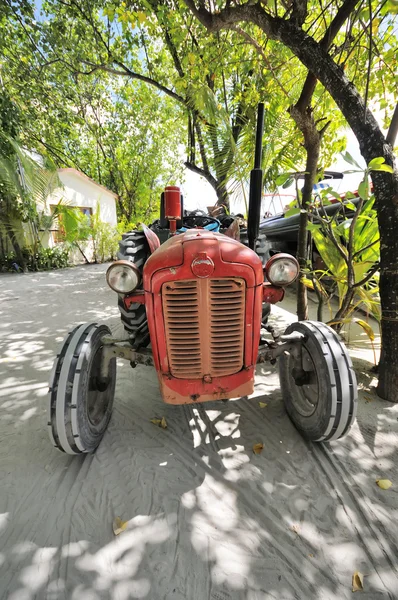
(208, 519)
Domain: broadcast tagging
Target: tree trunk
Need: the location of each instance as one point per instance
(372, 144)
(312, 143)
(386, 192)
(217, 185)
(222, 195)
(81, 252)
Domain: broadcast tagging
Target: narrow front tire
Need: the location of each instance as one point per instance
(80, 400)
(323, 405)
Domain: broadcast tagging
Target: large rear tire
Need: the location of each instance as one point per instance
(324, 407)
(134, 248)
(80, 404)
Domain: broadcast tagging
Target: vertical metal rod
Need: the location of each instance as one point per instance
(256, 183)
(259, 136)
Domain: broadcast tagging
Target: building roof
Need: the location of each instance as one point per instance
(86, 178)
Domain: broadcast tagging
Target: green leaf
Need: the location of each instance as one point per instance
(288, 183)
(313, 227)
(385, 168)
(363, 189)
(392, 7)
(371, 303)
(307, 282)
(367, 328)
(292, 212)
(329, 254)
(335, 195)
(376, 162)
(281, 179)
(325, 191)
(348, 158)
(350, 205)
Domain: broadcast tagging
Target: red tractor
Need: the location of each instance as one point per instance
(198, 300)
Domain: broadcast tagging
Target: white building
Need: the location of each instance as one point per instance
(84, 193)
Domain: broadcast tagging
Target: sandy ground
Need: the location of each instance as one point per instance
(208, 519)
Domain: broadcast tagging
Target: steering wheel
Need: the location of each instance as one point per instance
(194, 221)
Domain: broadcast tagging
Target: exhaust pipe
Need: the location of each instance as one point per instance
(256, 183)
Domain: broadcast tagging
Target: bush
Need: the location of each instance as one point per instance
(44, 259)
(105, 238)
(52, 258)
(350, 250)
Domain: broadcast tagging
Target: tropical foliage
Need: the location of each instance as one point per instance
(349, 246)
(120, 89)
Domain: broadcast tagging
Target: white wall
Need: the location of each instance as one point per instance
(80, 191)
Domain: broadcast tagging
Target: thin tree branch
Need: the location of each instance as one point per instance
(259, 49)
(19, 19)
(350, 262)
(369, 276)
(206, 174)
(366, 248)
(89, 20)
(331, 234)
(126, 72)
(369, 56)
(310, 83)
(201, 145)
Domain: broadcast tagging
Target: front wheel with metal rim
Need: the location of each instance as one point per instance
(80, 395)
(321, 396)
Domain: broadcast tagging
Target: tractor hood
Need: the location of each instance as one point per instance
(208, 254)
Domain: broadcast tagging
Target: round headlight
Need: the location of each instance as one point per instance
(282, 269)
(123, 277)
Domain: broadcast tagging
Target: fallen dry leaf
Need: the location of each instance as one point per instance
(119, 525)
(295, 528)
(368, 399)
(160, 422)
(384, 484)
(357, 582)
(311, 556)
(258, 448)
(262, 404)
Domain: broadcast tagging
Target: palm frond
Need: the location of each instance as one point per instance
(25, 177)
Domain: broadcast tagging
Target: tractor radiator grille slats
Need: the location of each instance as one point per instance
(227, 305)
(181, 311)
(204, 323)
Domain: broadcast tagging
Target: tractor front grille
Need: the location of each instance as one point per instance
(204, 323)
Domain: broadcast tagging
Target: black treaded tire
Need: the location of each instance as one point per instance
(334, 411)
(79, 409)
(133, 247)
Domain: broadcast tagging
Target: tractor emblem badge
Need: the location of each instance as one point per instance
(202, 266)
